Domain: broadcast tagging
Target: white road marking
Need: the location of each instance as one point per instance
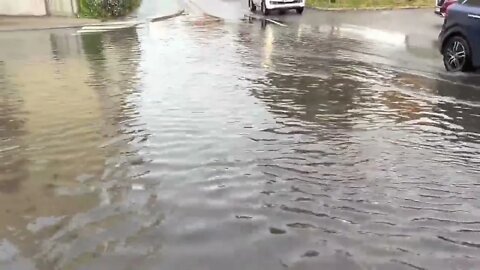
(275, 22)
(254, 16)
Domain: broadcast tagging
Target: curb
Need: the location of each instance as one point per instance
(366, 8)
(59, 27)
(109, 25)
(117, 25)
(190, 2)
(166, 17)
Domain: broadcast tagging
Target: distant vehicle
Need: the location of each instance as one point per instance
(266, 6)
(442, 6)
(460, 36)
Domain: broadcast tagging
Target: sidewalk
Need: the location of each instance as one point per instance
(151, 9)
(11, 23)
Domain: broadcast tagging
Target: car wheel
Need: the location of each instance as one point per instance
(265, 10)
(252, 6)
(300, 10)
(456, 54)
(282, 11)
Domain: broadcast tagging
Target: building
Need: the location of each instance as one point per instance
(39, 7)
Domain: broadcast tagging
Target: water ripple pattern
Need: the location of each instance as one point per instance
(196, 143)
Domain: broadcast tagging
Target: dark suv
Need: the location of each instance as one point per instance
(460, 36)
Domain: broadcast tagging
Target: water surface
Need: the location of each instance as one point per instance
(196, 143)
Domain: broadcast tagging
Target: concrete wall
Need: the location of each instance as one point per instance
(38, 8)
(22, 7)
(62, 7)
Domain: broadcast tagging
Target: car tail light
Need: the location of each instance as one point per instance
(447, 5)
(448, 9)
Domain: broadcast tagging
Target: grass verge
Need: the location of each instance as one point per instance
(369, 4)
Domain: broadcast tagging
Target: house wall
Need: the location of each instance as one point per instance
(62, 7)
(39, 7)
(22, 7)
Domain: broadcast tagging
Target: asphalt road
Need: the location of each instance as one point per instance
(407, 37)
(403, 40)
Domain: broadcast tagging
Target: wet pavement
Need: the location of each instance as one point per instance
(151, 9)
(18, 23)
(200, 143)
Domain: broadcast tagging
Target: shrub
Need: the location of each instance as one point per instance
(369, 3)
(107, 8)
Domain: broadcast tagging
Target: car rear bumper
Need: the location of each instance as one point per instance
(441, 40)
(279, 4)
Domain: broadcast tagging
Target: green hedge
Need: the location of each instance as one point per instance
(107, 8)
(369, 3)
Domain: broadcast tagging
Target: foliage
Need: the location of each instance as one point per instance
(107, 8)
(369, 3)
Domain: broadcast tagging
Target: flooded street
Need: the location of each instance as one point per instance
(208, 144)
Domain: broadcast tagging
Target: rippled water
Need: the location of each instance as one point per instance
(199, 144)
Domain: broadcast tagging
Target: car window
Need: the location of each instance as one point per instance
(475, 3)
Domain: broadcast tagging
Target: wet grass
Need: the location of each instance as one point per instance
(369, 4)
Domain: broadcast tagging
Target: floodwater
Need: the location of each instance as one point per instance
(197, 143)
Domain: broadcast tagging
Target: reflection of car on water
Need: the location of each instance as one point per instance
(460, 36)
(266, 6)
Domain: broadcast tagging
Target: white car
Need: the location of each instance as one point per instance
(268, 5)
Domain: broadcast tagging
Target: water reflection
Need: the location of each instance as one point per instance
(346, 139)
(68, 110)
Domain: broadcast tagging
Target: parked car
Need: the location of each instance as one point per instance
(442, 6)
(438, 4)
(268, 5)
(460, 36)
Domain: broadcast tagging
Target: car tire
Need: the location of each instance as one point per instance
(265, 10)
(282, 11)
(299, 10)
(252, 6)
(456, 54)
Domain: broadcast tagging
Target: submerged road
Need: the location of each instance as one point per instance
(219, 140)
